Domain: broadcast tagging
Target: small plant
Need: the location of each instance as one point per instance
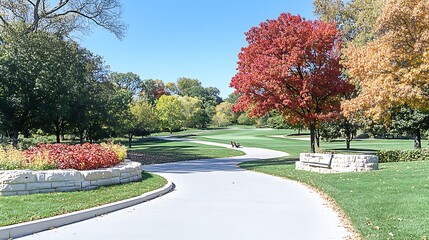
(119, 149)
(11, 158)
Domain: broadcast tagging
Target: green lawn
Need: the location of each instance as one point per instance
(288, 141)
(153, 150)
(18, 209)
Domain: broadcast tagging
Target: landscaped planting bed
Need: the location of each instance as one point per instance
(60, 167)
(62, 156)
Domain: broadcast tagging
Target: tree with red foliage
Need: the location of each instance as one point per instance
(291, 65)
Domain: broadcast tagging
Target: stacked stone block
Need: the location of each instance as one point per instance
(20, 182)
(339, 163)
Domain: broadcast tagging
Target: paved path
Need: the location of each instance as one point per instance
(216, 200)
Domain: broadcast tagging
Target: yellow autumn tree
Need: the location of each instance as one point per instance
(393, 69)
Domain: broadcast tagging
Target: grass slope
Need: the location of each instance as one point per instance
(18, 209)
(288, 141)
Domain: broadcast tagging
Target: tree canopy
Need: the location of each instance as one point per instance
(355, 18)
(291, 65)
(63, 16)
(392, 70)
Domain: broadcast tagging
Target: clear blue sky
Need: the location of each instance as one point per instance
(169, 39)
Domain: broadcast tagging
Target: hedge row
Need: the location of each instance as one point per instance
(385, 156)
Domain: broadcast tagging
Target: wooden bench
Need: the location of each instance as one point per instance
(320, 160)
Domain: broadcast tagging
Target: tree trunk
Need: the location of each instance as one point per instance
(130, 139)
(90, 136)
(14, 136)
(58, 136)
(58, 130)
(348, 143)
(417, 139)
(348, 134)
(81, 132)
(318, 138)
(312, 138)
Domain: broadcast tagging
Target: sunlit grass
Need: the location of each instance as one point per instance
(391, 203)
(18, 209)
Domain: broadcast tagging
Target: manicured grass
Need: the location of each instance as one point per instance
(18, 209)
(391, 203)
(153, 150)
(288, 141)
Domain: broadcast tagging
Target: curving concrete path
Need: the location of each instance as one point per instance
(214, 199)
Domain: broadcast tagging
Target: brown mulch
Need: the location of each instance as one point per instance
(148, 158)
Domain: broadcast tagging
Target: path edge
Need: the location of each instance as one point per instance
(27, 228)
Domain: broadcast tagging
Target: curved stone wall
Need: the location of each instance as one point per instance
(334, 163)
(20, 182)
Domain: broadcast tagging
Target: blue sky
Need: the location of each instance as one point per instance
(169, 39)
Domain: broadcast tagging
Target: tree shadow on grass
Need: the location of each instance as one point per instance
(269, 162)
(353, 150)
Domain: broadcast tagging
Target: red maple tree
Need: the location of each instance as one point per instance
(291, 65)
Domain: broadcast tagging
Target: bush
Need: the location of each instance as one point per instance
(80, 157)
(11, 158)
(62, 156)
(403, 155)
(120, 150)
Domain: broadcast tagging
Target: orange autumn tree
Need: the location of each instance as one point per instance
(291, 65)
(392, 70)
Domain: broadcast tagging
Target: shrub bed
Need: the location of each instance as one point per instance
(62, 156)
(385, 156)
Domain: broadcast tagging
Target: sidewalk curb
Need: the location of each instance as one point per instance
(27, 228)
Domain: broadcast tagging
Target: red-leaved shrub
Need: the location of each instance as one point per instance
(81, 157)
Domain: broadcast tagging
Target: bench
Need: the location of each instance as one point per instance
(235, 144)
(319, 160)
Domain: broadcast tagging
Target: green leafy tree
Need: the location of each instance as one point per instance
(189, 87)
(192, 111)
(406, 120)
(171, 88)
(38, 73)
(339, 128)
(152, 90)
(129, 81)
(224, 115)
(209, 97)
(89, 109)
(244, 119)
(355, 18)
(277, 121)
(141, 121)
(169, 111)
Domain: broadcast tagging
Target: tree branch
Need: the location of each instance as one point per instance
(31, 2)
(4, 21)
(60, 5)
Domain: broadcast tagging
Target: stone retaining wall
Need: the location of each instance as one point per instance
(339, 163)
(20, 182)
